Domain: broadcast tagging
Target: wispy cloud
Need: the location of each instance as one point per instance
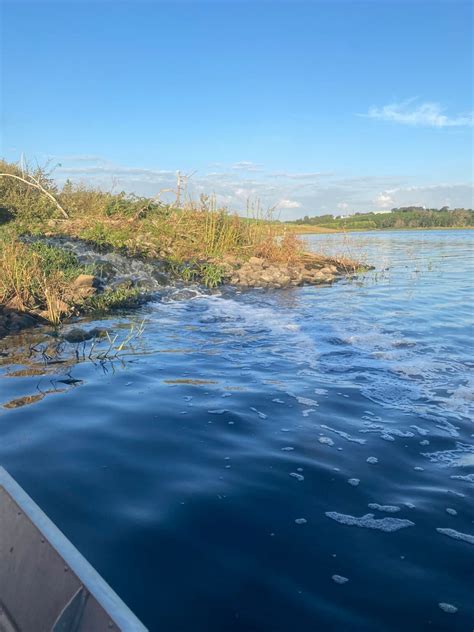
(300, 194)
(112, 170)
(289, 204)
(299, 176)
(411, 112)
(246, 165)
(80, 158)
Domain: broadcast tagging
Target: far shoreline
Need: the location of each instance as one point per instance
(309, 230)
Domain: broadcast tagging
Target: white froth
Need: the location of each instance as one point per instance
(326, 440)
(457, 535)
(448, 607)
(299, 477)
(369, 522)
(385, 508)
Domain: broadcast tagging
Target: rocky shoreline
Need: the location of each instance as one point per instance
(256, 272)
(309, 270)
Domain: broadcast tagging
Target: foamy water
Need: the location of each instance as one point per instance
(298, 459)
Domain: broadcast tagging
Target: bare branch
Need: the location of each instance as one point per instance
(36, 185)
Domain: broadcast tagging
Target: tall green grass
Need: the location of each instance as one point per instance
(198, 231)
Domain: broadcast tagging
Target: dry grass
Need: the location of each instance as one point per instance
(145, 226)
(26, 286)
(198, 239)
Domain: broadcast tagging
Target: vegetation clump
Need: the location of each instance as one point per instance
(36, 278)
(199, 242)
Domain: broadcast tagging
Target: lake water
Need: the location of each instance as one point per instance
(244, 454)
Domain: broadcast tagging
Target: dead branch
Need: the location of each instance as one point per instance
(33, 182)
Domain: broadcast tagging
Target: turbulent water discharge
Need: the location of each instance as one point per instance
(297, 459)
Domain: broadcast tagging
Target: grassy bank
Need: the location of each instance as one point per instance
(49, 282)
(198, 240)
(34, 203)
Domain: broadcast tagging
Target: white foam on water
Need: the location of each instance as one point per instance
(299, 477)
(385, 432)
(459, 457)
(259, 413)
(447, 607)
(301, 521)
(320, 391)
(384, 508)
(344, 435)
(306, 401)
(464, 477)
(461, 399)
(339, 579)
(451, 511)
(370, 522)
(372, 460)
(251, 317)
(287, 448)
(457, 535)
(326, 441)
(354, 482)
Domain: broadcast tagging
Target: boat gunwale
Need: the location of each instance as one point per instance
(98, 588)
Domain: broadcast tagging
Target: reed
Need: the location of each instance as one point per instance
(185, 231)
(36, 278)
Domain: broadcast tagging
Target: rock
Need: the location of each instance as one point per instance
(83, 286)
(12, 321)
(85, 280)
(309, 269)
(77, 335)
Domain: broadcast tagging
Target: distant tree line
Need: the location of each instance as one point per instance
(403, 217)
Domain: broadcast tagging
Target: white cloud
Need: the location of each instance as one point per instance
(294, 197)
(112, 170)
(419, 114)
(246, 165)
(384, 200)
(299, 176)
(81, 158)
(289, 204)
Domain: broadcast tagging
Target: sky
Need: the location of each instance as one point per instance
(307, 107)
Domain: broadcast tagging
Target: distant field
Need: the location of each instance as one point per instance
(307, 228)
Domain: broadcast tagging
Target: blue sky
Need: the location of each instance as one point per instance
(311, 106)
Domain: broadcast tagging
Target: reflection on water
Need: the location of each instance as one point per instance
(267, 460)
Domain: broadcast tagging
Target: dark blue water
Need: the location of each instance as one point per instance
(195, 467)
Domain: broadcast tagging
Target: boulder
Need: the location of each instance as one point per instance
(83, 286)
(77, 335)
(85, 280)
